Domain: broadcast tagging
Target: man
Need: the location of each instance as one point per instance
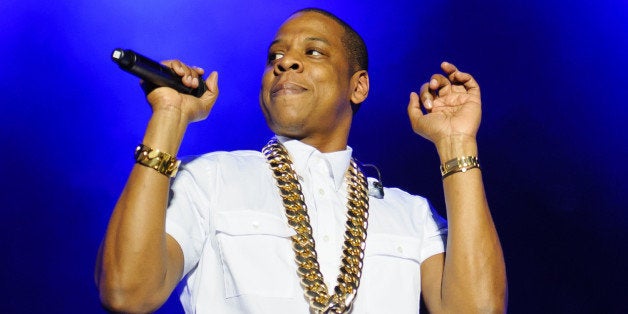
(233, 236)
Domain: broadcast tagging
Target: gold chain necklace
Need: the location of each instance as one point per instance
(314, 286)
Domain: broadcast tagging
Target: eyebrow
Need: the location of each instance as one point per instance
(323, 40)
(316, 39)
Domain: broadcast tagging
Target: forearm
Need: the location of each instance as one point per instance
(474, 275)
(135, 266)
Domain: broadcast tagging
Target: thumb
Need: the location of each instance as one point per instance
(211, 92)
(414, 108)
(212, 83)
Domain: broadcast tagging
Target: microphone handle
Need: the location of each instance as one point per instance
(154, 72)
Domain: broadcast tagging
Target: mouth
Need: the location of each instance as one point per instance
(286, 88)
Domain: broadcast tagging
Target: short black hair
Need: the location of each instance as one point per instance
(352, 41)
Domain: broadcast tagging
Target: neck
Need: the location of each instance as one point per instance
(325, 145)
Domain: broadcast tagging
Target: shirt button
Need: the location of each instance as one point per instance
(255, 224)
(400, 249)
(321, 191)
(326, 238)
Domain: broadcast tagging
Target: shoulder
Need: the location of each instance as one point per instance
(222, 159)
(400, 201)
(219, 167)
(400, 212)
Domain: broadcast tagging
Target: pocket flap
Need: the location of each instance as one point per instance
(393, 245)
(248, 222)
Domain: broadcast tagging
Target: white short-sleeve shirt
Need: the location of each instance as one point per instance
(227, 215)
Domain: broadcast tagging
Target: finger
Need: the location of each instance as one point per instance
(439, 85)
(200, 71)
(438, 81)
(197, 74)
(448, 68)
(414, 108)
(178, 67)
(189, 76)
(458, 77)
(427, 97)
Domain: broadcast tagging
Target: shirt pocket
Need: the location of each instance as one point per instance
(256, 254)
(391, 281)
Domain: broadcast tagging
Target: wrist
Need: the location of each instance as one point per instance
(456, 146)
(162, 162)
(460, 164)
(165, 131)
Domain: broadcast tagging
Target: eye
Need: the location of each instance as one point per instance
(314, 52)
(274, 56)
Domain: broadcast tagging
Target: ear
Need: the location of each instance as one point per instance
(360, 87)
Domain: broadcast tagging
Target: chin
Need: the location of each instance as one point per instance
(284, 123)
(288, 129)
(291, 132)
(289, 121)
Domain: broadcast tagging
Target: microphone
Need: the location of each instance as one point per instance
(154, 72)
(376, 189)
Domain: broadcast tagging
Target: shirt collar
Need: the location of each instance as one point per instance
(300, 153)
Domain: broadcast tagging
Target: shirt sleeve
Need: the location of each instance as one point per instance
(187, 214)
(434, 234)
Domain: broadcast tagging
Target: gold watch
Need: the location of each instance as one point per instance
(460, 164)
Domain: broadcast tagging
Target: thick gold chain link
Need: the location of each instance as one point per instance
(314, 286)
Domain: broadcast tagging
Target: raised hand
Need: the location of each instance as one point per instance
(452, 107)
(189, 108)
(448, 113)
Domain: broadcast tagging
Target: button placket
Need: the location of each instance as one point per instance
(327, 249)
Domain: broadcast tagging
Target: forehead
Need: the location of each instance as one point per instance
(306, 25)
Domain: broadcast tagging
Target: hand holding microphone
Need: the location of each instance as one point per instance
(175, 75)
(154, 72)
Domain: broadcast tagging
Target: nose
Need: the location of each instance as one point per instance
(288, 62)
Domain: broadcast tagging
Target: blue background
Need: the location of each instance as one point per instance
(552, 143)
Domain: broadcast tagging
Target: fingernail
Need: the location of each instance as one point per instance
(433, 82)
(428, 103)
(195, 81)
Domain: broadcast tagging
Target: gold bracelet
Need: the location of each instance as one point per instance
(164, 163)
(460, 164)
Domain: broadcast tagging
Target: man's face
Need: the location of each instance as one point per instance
(306, 89)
